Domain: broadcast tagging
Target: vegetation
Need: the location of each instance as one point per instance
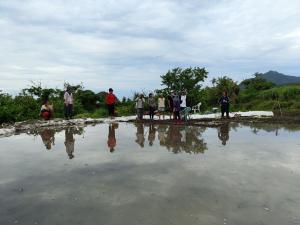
(251, 94)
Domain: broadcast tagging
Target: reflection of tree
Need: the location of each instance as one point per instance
(182, 139)
(223, 133)
(140, 138)
(48, 137)
(112, 142)
(269, 127)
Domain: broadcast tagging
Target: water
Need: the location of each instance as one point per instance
(142, 174)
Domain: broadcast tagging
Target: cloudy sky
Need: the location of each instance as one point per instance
(128, 44)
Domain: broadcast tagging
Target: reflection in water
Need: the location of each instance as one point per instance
(151, 136)
(140, 137)
(223, 133)
(111, 141)
(69, 142)
(48, 138)
(175, 138)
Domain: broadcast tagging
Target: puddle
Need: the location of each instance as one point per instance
(152, 174)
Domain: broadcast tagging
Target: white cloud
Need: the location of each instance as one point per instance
(129, 44)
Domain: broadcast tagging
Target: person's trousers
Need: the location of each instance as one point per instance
(140, 113)
(111, 109)
(176, 115)
(151, 112)
(68, 111)
(225, 109)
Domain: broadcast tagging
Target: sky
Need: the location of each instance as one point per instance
(129, 44)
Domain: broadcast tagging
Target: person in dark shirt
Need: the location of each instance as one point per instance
(171, 104)
(224, 103)
(176, 107)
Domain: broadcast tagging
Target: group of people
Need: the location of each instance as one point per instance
(47, 110)
(174, 104)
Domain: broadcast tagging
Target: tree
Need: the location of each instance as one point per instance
(257, 83)
(227, 84)
(188, 79)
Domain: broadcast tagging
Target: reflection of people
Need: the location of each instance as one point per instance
(161, 130)
(223, 133)
(46, 110)
(151, 135)
(140, 138)
(69, 142)
(179, 139)
(48, 138)
(111, 141)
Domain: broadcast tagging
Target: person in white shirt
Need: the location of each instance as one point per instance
(68, 102)
(140, 101)
(161, 106)
(183, 100)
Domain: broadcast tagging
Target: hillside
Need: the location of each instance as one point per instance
(279, 78)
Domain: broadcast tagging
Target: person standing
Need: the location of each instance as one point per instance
(111, 101)
(183, 100)
(140, 101)
(176, 107)
(68, 102)
(152, 105)
(161, 106)
(171, 104)
(224, 103)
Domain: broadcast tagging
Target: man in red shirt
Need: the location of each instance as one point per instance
(110, 101)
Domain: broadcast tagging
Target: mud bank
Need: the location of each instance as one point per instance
(207, 120)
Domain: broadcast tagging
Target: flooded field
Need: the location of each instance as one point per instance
(131, 174)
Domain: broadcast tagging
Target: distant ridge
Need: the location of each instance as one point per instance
(280, 78)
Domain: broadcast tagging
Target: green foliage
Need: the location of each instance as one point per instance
(255, 94)
(188, 79)
(257, 83)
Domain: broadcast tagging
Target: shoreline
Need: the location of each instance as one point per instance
(208, 120)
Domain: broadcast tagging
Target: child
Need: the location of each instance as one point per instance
(161, 106)
(140, 106)
(224, 103)
(152, 105)
(46, 110)
(110, 101)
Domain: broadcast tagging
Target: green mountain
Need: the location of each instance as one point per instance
(280, 78)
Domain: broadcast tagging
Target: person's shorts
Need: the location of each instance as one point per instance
(161, 109)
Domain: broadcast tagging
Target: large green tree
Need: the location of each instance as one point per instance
(188, 79)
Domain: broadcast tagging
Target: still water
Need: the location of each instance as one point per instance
(131, 174)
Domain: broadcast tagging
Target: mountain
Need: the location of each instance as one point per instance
(280, 78)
